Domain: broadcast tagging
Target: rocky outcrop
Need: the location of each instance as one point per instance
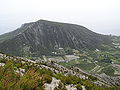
(71, 87)
(20, 71)
(52, 85)
(2, 64)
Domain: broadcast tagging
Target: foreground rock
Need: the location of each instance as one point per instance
(52, 85)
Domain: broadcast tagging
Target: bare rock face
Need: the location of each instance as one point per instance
(2, 64)
(71, 87)
(52, 85)
(43, 37)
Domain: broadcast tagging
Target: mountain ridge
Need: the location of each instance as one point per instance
(46, 36)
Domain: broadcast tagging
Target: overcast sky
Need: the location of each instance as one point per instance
(102, 16)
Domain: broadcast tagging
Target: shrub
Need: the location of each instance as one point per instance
(79, 87)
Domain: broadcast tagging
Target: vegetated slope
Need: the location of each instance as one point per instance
(24, 74)
(43, 37)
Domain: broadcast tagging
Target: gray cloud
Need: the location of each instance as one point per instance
(101, 16)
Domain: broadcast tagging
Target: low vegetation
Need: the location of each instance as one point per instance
(19, 75)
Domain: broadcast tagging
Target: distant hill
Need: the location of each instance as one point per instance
(43, 37)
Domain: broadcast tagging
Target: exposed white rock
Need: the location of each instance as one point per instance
(23, 62)
(30, 61)
(71, 87)
(21, 71)
(52, 85)
(2, 64)
(97, 50)
(60, 48)
(83, 88)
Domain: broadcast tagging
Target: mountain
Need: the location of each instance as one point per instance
(82, 59)
(44, 37)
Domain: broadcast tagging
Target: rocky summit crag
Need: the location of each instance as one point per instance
(44, 37)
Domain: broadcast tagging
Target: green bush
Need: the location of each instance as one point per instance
(79, 87)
